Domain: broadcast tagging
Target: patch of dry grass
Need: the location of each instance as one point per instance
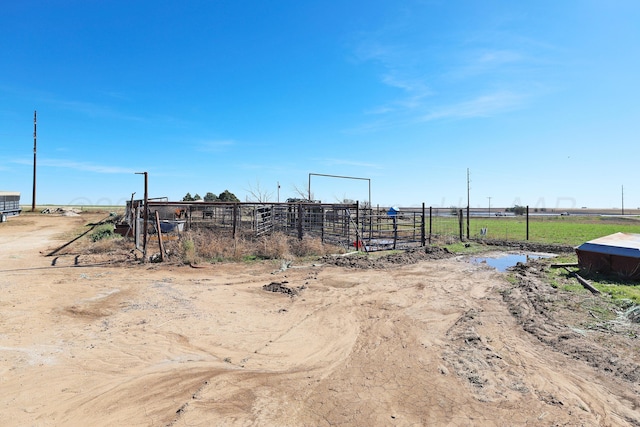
(207, 246)
(112, 245)
(273, 246)
(100, 240)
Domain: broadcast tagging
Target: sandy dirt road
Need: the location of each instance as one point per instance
(427, 344)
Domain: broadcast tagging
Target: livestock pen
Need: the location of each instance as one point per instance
(353, 226)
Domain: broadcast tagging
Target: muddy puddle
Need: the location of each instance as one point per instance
(505, 261)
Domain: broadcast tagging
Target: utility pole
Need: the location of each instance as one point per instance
(623, 200)
(278, 191)
(33, 197)
(489, 205)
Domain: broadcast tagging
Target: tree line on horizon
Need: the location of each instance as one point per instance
(225, 196)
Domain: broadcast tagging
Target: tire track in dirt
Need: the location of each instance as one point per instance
(430, 343)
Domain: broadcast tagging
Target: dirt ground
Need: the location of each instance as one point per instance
(419, 339)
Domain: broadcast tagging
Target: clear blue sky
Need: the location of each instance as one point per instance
(540, 100)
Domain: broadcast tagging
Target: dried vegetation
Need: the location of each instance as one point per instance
(197, 246)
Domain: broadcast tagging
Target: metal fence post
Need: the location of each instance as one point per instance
(358, 243)
(527, 222)
(422, 228)
(300, 211)
(430, 222)
(234, 220)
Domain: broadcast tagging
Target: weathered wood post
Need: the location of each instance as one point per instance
(300, 212)
(160, 243)
(323, 213)
(234, 220)
(395, 229)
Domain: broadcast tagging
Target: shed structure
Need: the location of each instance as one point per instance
(617, 253)
(9, 204)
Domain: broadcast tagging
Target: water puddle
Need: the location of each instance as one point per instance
(503, 262)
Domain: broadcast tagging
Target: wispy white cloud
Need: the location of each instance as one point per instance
(486, 74)
(415, 90)
(415, 87)
(79, 166)
(347, 162)
(487, 105)
(86, 108)
(94, 110)
(482, 106)
(215, 146)
(486, 61)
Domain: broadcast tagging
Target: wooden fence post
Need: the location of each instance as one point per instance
(395, 230)
(468, 219)
(323, 213)
(234, 220)
(159, 230)
(300, 211)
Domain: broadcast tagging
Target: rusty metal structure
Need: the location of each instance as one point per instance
(332, 223)
(347, 225)
(618, 253)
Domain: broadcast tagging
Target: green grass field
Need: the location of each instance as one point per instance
(563, 230)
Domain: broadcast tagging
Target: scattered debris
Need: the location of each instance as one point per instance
(633, 314)
(536, 305)
(280, 287)
(62, 211)
(283, 267)
(584, 282)
(409, 256)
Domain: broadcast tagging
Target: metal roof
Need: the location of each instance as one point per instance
(623, 244)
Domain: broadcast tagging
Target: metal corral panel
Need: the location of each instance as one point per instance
(618, 253)
(10, 203)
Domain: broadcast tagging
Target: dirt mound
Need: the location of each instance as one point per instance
(410, 256)
(282, 288)
(567, 323)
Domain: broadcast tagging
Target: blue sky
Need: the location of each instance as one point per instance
(539, 100)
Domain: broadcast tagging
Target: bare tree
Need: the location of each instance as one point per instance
(257, 194)
(302, 193)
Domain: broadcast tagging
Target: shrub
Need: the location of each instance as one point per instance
(108, 245)
(104, 231)
(275, 245)
(308, 246)
(188, 252)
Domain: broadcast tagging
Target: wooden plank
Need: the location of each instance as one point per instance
(585, 283)
(561, 265)
(160, 243)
